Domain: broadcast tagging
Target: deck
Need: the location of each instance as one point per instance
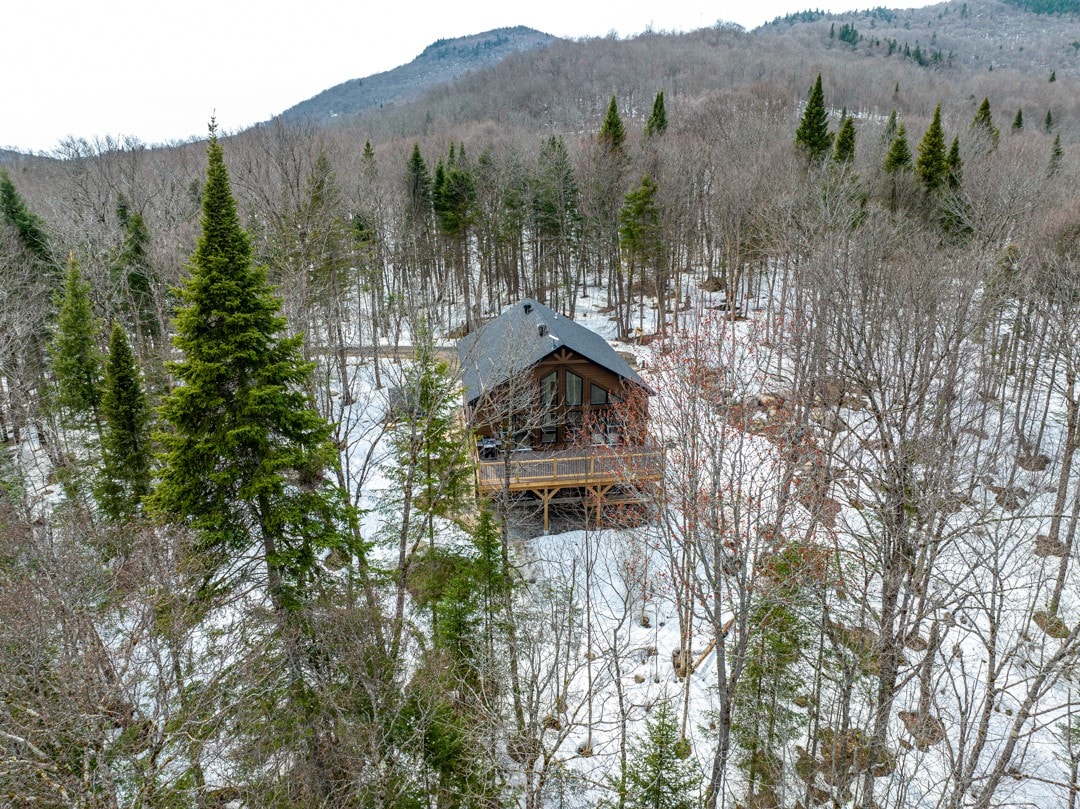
(579, 466)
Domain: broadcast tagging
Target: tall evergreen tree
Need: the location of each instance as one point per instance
(889, 132)
(124, 479)
(657, 123)
(453, 195)
(612, 133)
(430, 446)
(899, 155)
(419, 187)
(813, 132)
(984, 123)
(134, 272)
(244, 453)
(1018, 121)
(29, 227)
(932, 163)
(76, 358)
(1056, 153)
(844, 151)
(1048, 121)
(955, 164)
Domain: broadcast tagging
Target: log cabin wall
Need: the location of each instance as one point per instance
(567, 400)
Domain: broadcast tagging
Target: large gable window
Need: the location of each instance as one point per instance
(573, 389)
(549, 399)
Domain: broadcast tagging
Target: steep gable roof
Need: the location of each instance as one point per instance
(523, 335)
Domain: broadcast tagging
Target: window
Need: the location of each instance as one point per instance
(549, 399)
(598, 396)
(573, 389)
(549, 390)
(520, 436)
(573, 424)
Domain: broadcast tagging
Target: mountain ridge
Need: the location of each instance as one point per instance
(442, 61)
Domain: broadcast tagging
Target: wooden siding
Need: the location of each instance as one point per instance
(489, 415)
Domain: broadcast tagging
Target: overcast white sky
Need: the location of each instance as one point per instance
(159, 70)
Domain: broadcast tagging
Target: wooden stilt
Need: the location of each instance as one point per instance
(545, 498)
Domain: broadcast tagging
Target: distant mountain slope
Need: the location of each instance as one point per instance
(1029, 36)
(442, 61)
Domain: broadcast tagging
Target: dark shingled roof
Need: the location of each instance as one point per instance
(513, 342)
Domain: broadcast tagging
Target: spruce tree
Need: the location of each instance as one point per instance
(419, 187)
(639, 224)
(889, 132)
(984, 123)
(612, 133)
(813, 132)
(899, 156)
(429, 444)
(124, 480)
(658, 777)
(76, 358)
(244, 454)
(28, 226)
(932, 163)
(1048, 121)
(657, 123)
(844, 152)
(134, 273)
(1056, 153)
(955, 164)
(1018, 121)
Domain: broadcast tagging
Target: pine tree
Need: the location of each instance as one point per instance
(932, 163)
(658, 777)
(844, 152)
(955, 164)
(76, 358)
(984, 123)
(1018, 121)
(1053, 76)
(813, 132)
(612, 133)
(1048, 121)
(899, 156)
(657, 123)
(124, 479)
(244, 453)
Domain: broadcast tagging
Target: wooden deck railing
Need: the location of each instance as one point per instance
(574, 467)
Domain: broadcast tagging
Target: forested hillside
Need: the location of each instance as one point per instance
(440, 63)
(241, 559)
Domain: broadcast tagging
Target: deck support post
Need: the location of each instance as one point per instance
(597, 493)
(545, 498)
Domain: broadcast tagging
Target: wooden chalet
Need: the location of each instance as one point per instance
(559, 416)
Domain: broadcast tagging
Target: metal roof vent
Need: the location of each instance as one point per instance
(541, 329)
(528, 308)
